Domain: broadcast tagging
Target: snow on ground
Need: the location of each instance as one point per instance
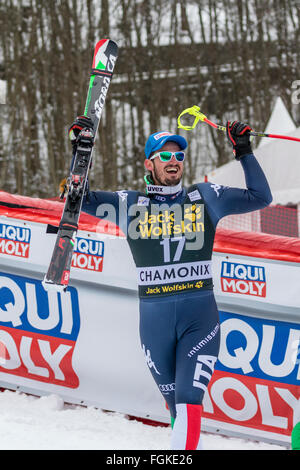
(46, 423)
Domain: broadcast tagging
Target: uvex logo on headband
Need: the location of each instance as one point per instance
(154, 189)
(161, 134)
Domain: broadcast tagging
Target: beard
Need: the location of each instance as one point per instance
(167, 181)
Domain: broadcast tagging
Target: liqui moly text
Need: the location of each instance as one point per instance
(14, 240)
(38, 331)
(256, 382)
(243, 279)
(88, 254)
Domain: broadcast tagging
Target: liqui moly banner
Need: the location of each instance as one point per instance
(14, 240)
(88, 254)
(255, 388)
(83, 344)
(38, 331)
(245, 279)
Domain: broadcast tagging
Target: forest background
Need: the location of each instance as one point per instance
(233, 58)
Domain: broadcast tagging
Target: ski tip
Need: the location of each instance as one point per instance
(50, 286)
(101, 55)
(102, 41)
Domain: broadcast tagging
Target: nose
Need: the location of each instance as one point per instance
(173, 159)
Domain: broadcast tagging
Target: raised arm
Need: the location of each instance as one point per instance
(224, 200)
(93, 200)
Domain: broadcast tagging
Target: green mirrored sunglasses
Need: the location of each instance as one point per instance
(167, 156)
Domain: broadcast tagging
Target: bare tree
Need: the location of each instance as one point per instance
(231, 57)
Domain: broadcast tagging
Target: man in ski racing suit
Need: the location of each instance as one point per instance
(170, 230)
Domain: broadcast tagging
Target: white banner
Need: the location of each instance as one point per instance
(267, 281)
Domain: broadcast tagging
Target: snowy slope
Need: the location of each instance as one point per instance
(46, 423)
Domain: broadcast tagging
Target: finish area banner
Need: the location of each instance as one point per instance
(83, 344)
(255, 388)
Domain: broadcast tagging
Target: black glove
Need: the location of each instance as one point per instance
(238, 135)
(80, 123)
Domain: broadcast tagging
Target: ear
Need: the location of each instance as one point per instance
(148, 165)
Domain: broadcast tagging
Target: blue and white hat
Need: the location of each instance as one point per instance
(157, 140)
